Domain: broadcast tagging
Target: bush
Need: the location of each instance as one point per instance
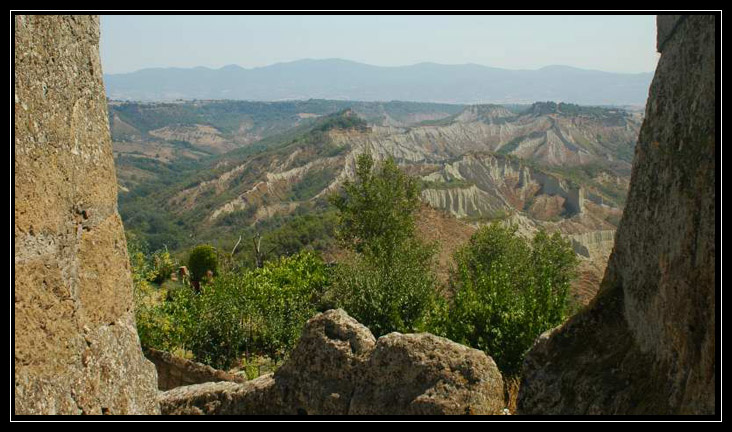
(506, 292)
(162, 266)
(377, 211)
(201, 260)
(388, 284)
(257, 312)
(387, 296)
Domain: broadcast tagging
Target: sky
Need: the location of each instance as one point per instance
(612, 43)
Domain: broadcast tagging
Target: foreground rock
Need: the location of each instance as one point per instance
(326, 365)
(176, 372)
(427, 374)
(254, 397)
(646, 345)
(76, 347)
(339, 368)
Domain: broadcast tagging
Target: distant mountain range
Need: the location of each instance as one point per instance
(348, 80)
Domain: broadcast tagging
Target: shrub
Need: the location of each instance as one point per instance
(255, 312)
(201, 260)
(388, 284)
(507, 291)
(387, 296)
(377, 211)
(162, 266)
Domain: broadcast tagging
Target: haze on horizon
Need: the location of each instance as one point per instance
(611, 43)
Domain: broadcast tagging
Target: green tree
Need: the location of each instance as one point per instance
(507, 290)
(377, 210)
(387, 284)
(201, 260)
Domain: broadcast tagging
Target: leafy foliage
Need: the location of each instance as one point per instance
(254, 312)
(377, 211)
(201, 260)
(506, 292)
(388, 284)
(387, 296)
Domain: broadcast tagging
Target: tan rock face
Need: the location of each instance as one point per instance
(76, 347)
(176, 372)
(339, 368)
(646, 345)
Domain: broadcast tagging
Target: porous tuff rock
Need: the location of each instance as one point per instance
(76, 346)
(326, 365)
(175, 371)
(426, 374)
(253, 397)
(339, 368)
(646, 345)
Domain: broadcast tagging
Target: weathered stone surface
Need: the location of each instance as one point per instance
(646, 345)
(176, 372)
(76, 347)
(427, 374)
(666, 25)
(326, 364)
(338, 368)
(254, 397)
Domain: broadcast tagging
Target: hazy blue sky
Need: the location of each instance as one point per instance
(621, 43)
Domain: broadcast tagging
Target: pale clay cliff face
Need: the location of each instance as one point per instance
(76, 346)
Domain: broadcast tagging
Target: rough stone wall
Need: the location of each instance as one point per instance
(76, 346)
(646, 345)
(175, 372)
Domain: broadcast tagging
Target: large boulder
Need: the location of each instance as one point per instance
(338, 367)
(326, 365)
(646, 345)
(426, 374)
(76, 346)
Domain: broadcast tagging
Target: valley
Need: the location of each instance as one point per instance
(215, 171)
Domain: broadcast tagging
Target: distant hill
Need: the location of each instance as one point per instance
(190, 174)
(348, 80)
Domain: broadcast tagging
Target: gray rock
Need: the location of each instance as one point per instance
(254, 397)
(426, 374)
(646, 344)
(326, 365)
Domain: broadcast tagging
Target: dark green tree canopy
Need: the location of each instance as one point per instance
(377, 209)
(507, 290)
(201, 260)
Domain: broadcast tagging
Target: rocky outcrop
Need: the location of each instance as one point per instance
(326, 365)
(339, 368)
(593, 243)
(255, 397)
(485, 184)
(427, 374)
(76, 346)
(646, 345)
(176, 372)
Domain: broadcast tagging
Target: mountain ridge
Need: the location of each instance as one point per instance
(341, 79)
